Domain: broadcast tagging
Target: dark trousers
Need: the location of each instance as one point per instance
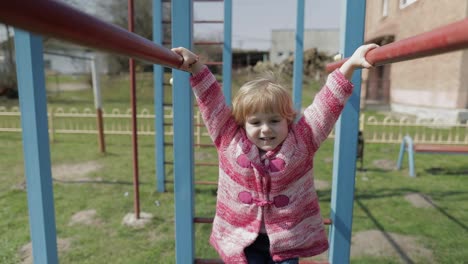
(259, 252)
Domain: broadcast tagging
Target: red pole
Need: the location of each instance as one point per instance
(56, 19)
(445, 39)
(136, 195)
(100, 126)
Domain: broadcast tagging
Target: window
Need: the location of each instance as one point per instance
(384, 8)
(405, 3)
(280, 53)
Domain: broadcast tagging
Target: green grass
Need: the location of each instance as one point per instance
(379, 196)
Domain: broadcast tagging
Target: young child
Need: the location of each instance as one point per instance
(267, 209)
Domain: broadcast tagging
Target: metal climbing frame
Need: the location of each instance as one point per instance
(61, 21)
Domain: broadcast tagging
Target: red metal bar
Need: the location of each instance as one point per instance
(445, 39)
(56, 19)
(136, 188)
(434, 148)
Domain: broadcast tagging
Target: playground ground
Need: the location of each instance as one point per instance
(397, 219)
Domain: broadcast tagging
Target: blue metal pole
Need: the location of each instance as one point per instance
(183, 137)
(33, 104)
(227, 51)
(299, 57)
(158, 77)
(346, 132)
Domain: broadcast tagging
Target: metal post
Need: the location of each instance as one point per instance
(136, 183)
(33, 104)
(346, 132)
(158, 77)
(299, 56)
(227, 51)
(98, 103)
(183, 137)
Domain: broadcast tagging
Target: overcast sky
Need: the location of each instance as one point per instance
(253, 20)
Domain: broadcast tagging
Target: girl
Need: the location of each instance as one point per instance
(267, 209)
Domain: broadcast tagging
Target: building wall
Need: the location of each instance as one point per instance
(437, 82)
(283, 42)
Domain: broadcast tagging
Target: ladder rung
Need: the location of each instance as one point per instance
(195, 145)
(197, 182)
(203, 220)
(326, 221)
(208, 261)
(199, 21)
(208, 43)
(208, 164)
(214, 63)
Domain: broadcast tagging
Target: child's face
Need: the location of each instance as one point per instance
(266, 130)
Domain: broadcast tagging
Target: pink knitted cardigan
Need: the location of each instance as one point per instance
(278, 186)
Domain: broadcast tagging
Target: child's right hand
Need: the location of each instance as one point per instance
(191, 61)
(357, 60)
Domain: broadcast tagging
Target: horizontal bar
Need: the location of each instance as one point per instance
(208, 43)
(209, 220)
(197, 182)
(200, 42)
(196, 164)
(203, 220)
(445, 39)
(199, 21)
(169, 144)
(217, 63)
(165, 1)
(58, 20)
(208, 261)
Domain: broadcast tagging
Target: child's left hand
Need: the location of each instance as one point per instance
(358, 59)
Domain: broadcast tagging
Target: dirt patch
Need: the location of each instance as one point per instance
(419, 200)
(25, 253)
(86, 217)
(376, 243)
(385, 164)
(130, 220)
(75, 172)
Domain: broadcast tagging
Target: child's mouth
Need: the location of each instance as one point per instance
(267, 138)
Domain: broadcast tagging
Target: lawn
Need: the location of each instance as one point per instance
(103, 182)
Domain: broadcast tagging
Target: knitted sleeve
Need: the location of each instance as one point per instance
(215, 112)
(320, 117)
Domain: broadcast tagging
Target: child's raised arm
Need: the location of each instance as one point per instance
(191, 61)
(357, 60)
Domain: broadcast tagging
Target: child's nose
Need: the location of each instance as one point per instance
(266, 127)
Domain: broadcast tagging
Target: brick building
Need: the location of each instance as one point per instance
(436, 86)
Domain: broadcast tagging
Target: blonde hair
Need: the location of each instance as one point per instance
(266, 95)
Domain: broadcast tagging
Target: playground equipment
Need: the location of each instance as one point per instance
(60, 21)
(407, 145)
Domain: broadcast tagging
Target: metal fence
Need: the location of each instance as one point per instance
(376, 129)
